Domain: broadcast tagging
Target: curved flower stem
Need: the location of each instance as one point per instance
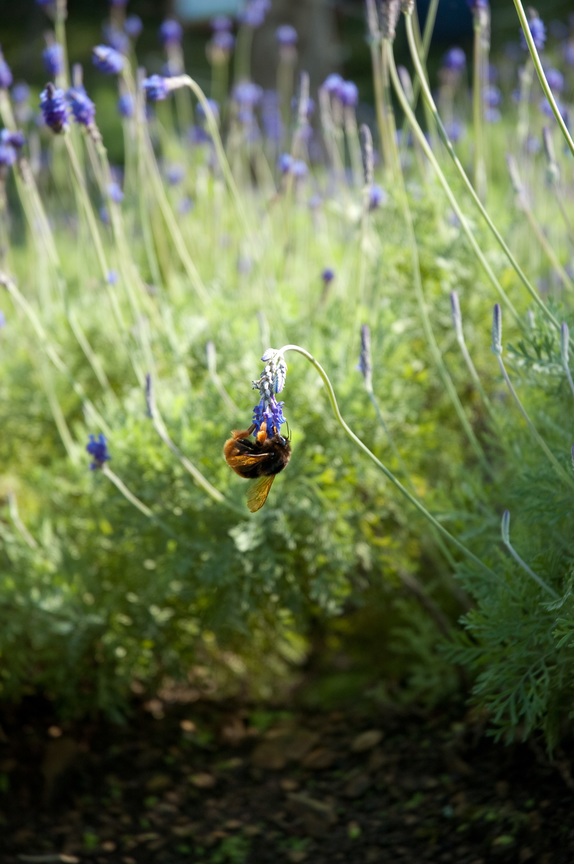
(388, 474)
(540, 441)
(540, 72)
(427, 96)
(405, 471)
(444, 183)
(505, 531)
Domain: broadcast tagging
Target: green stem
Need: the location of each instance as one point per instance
(388, 474)
(477, 113)
(536, 435)
(540, 72)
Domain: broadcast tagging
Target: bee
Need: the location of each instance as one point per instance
(259, 459)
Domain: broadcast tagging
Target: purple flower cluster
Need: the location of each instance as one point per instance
(107, 59)
(345, 92)
(170, 33)
(54, 108)
(83, 108)
(271, 382)
(537, 31)
(98, 450)
(254, 13)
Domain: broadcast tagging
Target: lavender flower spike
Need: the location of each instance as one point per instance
(272, 381)
(156, 87)
(497, 330)
(98, 449)
(54, 108)
(107, 59)
(365, 364)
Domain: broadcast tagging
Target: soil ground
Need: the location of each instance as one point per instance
(211, 782)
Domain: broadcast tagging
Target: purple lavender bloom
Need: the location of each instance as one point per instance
(332, 83)
(107, 59)
(254, 13)
(170, 33)
(268, 411)
(327, 275)
(20, 93)
(455, 129)
(348, 93)
(8, 155)
(104, 214)
(223, 41)
(247, 94)
(115, 193)
(175, 174)
(491, 96)
(555, 80)
(284, 163)
(537, 31)
(5, 73)
(133, 26)
(286, 36)
(569, 52)
(221, 24)
(299, 169)
(156, 88)
(185, 205)
(376, 197)
(455, 60)
(477, 5)
(126, 105)
(492, 115)
(12, 139)
(82, 106)
(98, 450)
(54, 108)
(113, 277)
(116, 39)
(53, 57)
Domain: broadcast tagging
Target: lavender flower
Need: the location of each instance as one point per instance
(170, 33)
(126, 105)
(271, 382)
(286, 36)
(5, 73)
(12, 139)
(20, 93)
(222, 44)
(537, 31)
(376, 197)
(332, 83)
(221, 24)
(156, 88)
(327, 275)
(98, 450)
(299, 169)
(107, 59)
(53, 57)
(555, 80)
(254, 13)
(115, 193)
(117, 39)
(8, 156)
(454, 60)
(133, 26)
(82, 106)
(54, 108)
(284, 163)
(348, 94)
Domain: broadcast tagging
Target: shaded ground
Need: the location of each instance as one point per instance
(210, 783)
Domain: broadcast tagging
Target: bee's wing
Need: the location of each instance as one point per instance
(244, 460)
(258, 492)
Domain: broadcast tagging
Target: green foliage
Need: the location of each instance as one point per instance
(150, 566)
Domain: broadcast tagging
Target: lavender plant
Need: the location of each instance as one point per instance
(137, 299)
